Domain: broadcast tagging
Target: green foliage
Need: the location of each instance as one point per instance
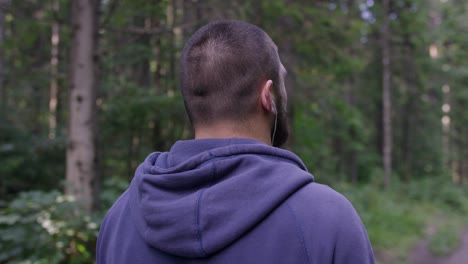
(128, 12)
(112, 188)
(46, 227)
(332, 122)
(396, 220)
(445, 240)
(137, 122)
(439, 192)
(333, 56)
(28, 162)
(392, 220)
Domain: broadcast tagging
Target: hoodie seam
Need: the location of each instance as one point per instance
(197, 217)
(265, 155)
(197, 209)
(226, 152)
(300, 233)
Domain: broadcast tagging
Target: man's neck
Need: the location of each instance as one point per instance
(233, 130)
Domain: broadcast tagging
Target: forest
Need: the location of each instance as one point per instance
(377, 105)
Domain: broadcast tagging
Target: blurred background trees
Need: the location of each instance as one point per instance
(377, 91)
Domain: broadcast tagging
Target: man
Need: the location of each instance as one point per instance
(228, 196)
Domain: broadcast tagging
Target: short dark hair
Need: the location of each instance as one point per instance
(221, 67)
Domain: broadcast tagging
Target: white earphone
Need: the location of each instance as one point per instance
(273, 106)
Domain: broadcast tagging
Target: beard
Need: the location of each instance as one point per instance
(280, 135)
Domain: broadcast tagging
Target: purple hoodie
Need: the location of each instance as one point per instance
(230, 201)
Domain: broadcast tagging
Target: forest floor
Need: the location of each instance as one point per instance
(423, 223)
(422, 255)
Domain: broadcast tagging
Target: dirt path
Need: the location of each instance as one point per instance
(421, 254)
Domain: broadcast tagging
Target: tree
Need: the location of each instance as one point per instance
(386, 95)
(82, 160)
(4, 4)
(333, 52)
(54, 61)
(454, 46)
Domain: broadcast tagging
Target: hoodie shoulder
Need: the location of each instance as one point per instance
(330, 226)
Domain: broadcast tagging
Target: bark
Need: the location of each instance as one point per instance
(54, 61)
(2, 65)
(406, 133)
(188, 16)
(4, 4)
(464, 171)
(82, 160)
(455, 170)
(171, 16)
(194, 14)
(158, 85)
(351, 156)
(410, 110)
(386, 96)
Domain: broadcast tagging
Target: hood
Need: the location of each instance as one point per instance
(204, 194)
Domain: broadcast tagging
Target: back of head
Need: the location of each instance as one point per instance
(222, 66)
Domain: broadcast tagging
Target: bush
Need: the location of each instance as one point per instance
(439, 191)
(390, 219)
(29, 163)
(395, 220)
(46, 227)
(444, 241)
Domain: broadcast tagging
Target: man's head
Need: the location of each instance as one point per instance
(231, 71)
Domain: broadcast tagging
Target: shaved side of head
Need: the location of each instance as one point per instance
(222, 66)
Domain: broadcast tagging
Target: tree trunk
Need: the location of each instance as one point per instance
(81, 150)
(54, 60)
(170, 22)
(351, 156)
(406, 136)
(464, 171)
(386, 96)
(350, 90)
(4, 4)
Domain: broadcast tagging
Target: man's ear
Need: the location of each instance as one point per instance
(267, 98)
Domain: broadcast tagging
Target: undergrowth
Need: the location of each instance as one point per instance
(395, 220)
(47, 227)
